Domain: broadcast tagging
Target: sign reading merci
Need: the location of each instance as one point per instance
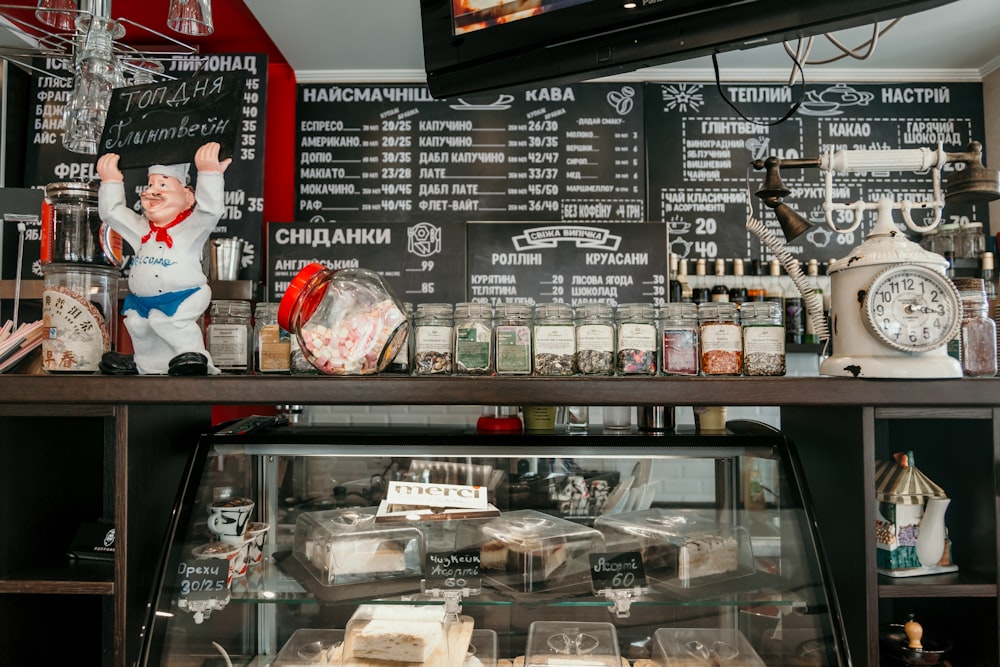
(166, 122)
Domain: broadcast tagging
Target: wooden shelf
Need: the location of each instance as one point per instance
(951, 585)
(395, 390)
(71, 578)
(221, 289)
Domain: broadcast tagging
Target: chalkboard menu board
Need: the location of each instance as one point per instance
(48, 162)
(422, 261)
(700, 149)
(564, 154)
(539, 262)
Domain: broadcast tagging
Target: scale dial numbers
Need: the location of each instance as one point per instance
(912, 308)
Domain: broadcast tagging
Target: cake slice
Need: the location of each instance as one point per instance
(405, 641)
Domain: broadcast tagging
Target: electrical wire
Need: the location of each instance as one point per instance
(861, 52)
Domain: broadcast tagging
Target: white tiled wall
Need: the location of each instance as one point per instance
(690, 483)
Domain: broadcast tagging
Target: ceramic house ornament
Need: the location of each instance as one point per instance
(910, 533)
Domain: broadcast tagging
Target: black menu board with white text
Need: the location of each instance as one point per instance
(563, 154)
(700, 149)
(571, 263)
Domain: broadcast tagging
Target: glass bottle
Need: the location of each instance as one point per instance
(720, 290)
(636, 339)
(679, 339)
(755, 289)
(433, 329)
(971, 242)
(700, 291)
(473, 338)
(512, 339)
(682, 277)
(979, 333)
(763, 339)
(228, 336)
(595, 339)
(553, 339)
(272, 344)
(773, 288)
(812, 275)
(738, 288)
(674, 284)
(988, 275)
(721, 339)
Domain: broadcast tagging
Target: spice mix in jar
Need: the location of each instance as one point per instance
(595, 339)
(721, 339)
(553, 339)
(679, 338)
(473, 339)
(636, 339)
(763, 338)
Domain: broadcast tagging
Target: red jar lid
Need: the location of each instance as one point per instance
(291, 296)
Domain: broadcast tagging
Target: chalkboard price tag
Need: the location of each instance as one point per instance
(456, 570)
(203, 579)
(617, 571)
(166, 122)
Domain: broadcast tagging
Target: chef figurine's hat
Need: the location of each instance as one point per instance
(178, 171)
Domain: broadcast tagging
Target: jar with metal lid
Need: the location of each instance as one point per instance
(978, 333)
(80, 312)
(679, 338)
(473, 338)
(971, 241)
(512, 339)
(636, 339)
(763, 339)
(229, 336)
(72, 230)
(402, 363)
(346, 321)
(272, 344)
(553, 339)
(595, 339)
(433, 334)
(721, 339)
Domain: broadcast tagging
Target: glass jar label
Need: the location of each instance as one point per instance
(600, 337)
(77, 337)
(227, 343)
(554, 339)
(636, 336)
(513, 349)
(430, 338)
(723, 337)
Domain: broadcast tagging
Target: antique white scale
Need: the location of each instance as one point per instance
(893, 309)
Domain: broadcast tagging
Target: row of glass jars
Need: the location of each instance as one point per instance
(554, 339)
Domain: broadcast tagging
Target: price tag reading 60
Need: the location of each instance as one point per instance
(621, 570)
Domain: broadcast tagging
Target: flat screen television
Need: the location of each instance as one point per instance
(475, 46)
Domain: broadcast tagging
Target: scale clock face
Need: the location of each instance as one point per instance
(912, 308)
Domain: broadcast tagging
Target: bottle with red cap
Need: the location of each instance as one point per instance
(346, 321)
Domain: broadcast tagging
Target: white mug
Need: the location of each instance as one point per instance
(229, 519)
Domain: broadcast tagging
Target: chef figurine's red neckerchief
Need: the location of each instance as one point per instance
(161, 232)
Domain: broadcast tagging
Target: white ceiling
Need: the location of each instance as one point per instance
(379, 40)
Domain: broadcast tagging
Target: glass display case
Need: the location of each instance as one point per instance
(290, 545)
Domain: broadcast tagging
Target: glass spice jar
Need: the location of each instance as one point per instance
(679, 338)
(473, 339)
(978, 333)
(80, 308)
(272, 344)
(512, 339)
(721, 339)
(433, 333)
(763, 339)
(553, 339)
(228, 336)
(636, 339)
(595, 339)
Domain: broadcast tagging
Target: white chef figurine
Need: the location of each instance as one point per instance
(168, 288)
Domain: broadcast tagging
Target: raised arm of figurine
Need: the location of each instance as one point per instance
(107, 169)
(206, 159)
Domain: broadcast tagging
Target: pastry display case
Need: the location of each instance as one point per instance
(510, 549)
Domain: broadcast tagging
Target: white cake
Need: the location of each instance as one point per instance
(707, 555)
(365, 556)
(405, 641)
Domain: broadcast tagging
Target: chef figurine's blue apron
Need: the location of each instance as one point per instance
(168, 288)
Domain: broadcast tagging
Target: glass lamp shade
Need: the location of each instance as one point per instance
(58, 14)
(191, 17)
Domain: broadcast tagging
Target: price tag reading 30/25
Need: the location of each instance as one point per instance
(620, 571)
